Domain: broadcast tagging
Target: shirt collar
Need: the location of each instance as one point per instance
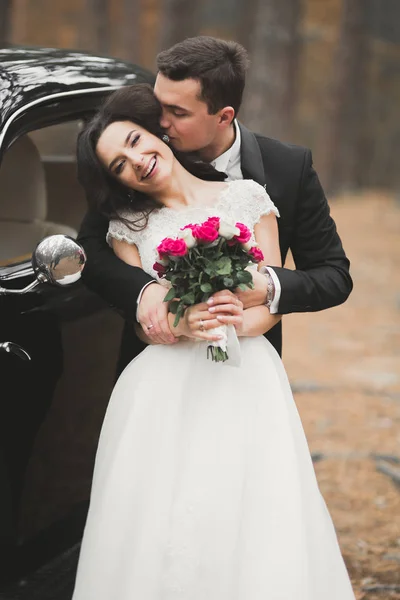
(233, 153)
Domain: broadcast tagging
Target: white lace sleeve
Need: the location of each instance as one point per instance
(258, 204)
(120, 231)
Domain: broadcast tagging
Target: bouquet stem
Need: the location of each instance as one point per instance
(218, 349)
(217, 354)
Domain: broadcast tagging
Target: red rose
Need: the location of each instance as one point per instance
(163, 247)
(159, 269)
(172, 247)
(256, 254)
(245, 233)
(205, 233)
(213, 221)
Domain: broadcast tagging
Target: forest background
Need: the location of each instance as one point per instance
(324, 74)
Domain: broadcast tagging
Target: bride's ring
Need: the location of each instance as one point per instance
(201, 326)
(149, 327)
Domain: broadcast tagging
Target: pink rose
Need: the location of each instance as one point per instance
(213, 221)
(205, 233)
(245, 233)
(159, 269)
(172, 247)
(256, 254)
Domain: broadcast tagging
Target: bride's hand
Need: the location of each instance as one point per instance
(227, 308)
(199, 321)
(223, 308)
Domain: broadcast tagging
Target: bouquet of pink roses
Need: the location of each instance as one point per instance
(206, 258)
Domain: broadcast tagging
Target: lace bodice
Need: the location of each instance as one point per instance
(241, 200)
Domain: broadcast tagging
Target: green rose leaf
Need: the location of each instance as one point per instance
(179, 313)
(173, 307)
(244, 277)
(206, 287)
(188, 298)
(171, 295)
(228, 282)
(224, 266)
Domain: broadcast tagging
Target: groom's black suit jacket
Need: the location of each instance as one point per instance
(321, 278)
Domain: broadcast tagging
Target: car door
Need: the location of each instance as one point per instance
(51, 406)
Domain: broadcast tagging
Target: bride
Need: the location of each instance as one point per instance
(203, 486)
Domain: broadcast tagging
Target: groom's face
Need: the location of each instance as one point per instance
(185, 118)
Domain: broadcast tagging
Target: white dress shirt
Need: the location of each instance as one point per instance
(230, 163)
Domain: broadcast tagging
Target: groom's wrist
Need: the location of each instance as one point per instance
(139, 298)
(273, 289)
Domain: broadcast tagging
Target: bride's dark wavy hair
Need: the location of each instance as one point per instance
(106, 194)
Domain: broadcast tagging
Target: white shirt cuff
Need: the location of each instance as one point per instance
(140, 297)
(273, 309)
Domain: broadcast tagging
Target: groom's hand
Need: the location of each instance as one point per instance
(153, 315)
(258, 295)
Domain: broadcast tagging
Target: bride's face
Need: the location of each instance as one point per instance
(138, 159)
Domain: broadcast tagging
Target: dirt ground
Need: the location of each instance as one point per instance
(344, 365)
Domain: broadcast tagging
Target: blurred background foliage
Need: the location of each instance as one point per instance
(324, 73)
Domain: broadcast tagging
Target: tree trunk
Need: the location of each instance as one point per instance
(271, 97)
(246, 21)
(130, 28)
(345, 147)
(5, 21)
(180, 20)
(95, 31)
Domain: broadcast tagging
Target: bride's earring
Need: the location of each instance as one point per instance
(165, 138)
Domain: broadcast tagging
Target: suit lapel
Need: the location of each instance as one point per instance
(250, 156)
(253, 168)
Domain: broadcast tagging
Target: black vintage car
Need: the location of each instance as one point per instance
(52, 405)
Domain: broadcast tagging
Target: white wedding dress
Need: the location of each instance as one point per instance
(203, 487)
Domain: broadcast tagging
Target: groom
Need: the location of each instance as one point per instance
(199, 84)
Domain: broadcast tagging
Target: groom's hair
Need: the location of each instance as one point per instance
(219, 65)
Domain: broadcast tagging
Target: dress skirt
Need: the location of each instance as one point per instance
(204, 488)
